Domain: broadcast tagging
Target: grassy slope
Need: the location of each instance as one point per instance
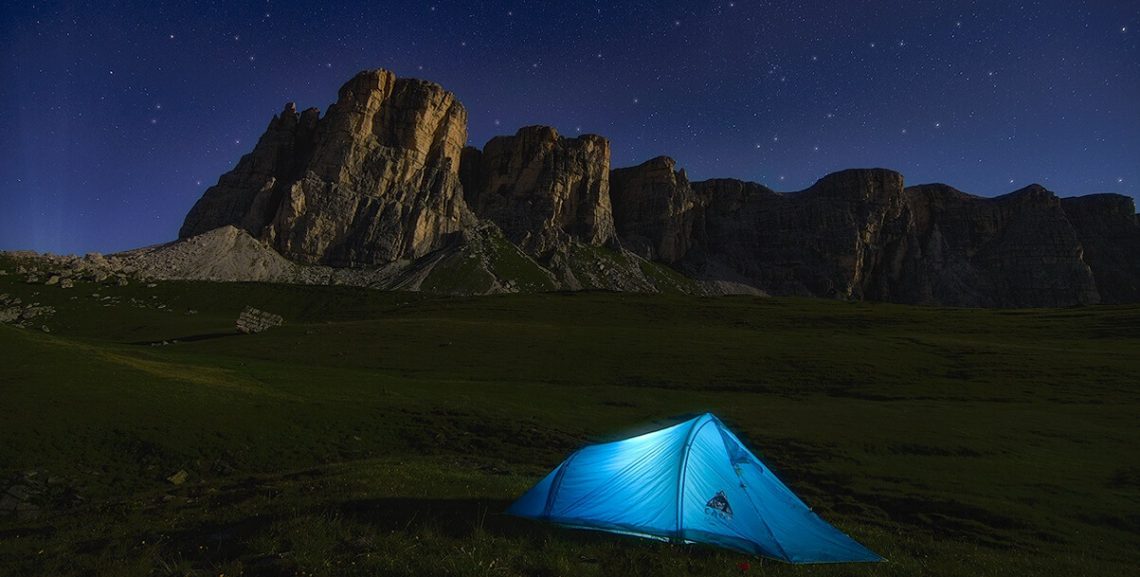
(381, 433)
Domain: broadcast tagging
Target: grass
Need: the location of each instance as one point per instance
(383, 433)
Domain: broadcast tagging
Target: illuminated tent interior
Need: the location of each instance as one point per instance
(694, 482)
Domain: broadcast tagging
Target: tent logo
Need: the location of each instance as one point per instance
(719, 506)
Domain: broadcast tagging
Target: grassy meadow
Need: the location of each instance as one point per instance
(381, 433)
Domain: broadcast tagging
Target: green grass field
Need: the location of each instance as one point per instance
(384, 433)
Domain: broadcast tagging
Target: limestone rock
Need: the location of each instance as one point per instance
(253, 320)
(654, 209)
(1109, 232)
(543, 190)
(248, 195)
(381, 192)
(383, 180)
(859, 234)
(374, 181)
(821, 241)
(961, 250)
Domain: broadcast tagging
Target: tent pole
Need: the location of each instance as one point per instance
(698, 423)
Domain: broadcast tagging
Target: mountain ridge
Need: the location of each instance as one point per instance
(385, 181)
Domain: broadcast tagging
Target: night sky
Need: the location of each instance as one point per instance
(119, 114)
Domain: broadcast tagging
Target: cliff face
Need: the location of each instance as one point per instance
(383, 182)
(1109, 231)
(860, 234)
(1014, 250)
(822, 241)
(654, 209)
(247, 197)
(374, 181)
(541, 189)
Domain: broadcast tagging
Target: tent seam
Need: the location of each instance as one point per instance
(698, 424)
(557, 484)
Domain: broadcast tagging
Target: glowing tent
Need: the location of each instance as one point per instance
(689, 483)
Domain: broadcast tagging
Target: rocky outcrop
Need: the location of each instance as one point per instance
(1109, 232)
(248, 195)
(654, 209)
(374, 181)
(382, 192)
(858, 234)
(543, 190)
(822, 241)
(957, 249)
(253, 320)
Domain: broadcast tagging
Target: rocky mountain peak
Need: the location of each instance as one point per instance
(382, 185)
(542, 189)
(654, 209)
(864, 183)
(374, 181)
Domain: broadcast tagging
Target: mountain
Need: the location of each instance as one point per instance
(382, 191)
(373, 181)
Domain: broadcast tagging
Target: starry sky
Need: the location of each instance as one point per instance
(118, 115)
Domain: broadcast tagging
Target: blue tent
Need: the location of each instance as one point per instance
(689, 483)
